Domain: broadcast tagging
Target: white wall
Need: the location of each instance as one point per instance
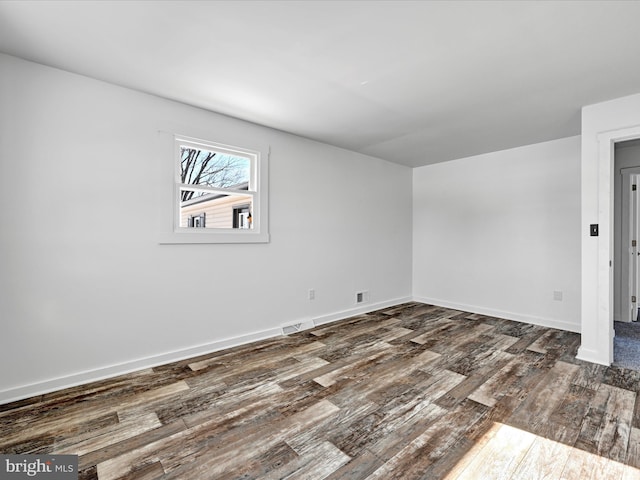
(602, 124)
(499, 233)
(86, 290)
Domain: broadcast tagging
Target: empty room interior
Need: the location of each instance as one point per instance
(320, 239)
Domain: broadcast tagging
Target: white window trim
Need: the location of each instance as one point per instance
(170, 230)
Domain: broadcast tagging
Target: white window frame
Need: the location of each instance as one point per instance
(173, 233)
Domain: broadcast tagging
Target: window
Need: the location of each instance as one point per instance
(219, 193)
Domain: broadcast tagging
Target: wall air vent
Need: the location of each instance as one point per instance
(362, 297)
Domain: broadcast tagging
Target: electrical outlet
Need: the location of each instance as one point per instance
(557, 295)
(312, 294)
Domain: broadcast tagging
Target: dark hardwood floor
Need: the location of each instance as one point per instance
(410, 392)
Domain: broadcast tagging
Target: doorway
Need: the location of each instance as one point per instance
(626, 345)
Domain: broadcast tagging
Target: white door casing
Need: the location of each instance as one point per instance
(604, 331)
(628, 243)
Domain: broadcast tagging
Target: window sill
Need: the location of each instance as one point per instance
(181, 238)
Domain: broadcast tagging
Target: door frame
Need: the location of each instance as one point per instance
(606, 156)
(627, 277)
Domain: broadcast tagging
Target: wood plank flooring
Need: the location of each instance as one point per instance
(410, 392)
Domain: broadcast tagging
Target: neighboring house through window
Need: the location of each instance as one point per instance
(197, 222)
(242, 216)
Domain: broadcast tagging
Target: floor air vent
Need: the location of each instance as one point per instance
(296, 327)
(289, 329)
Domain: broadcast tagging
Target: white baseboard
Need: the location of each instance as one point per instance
(73, 380)
(80, 378)
(518, 317)
(592, 356)
(360, 310)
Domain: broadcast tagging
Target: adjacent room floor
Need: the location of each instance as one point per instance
(409, 392)
(626, 345)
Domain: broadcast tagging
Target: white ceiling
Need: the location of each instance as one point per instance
(413, 82)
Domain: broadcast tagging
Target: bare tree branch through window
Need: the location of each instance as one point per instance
(211, 169)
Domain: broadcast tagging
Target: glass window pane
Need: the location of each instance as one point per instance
(213, 169)
(214, 210)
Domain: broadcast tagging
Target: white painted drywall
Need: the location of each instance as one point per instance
(615, 119)
(87, 291)
(499, 233)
